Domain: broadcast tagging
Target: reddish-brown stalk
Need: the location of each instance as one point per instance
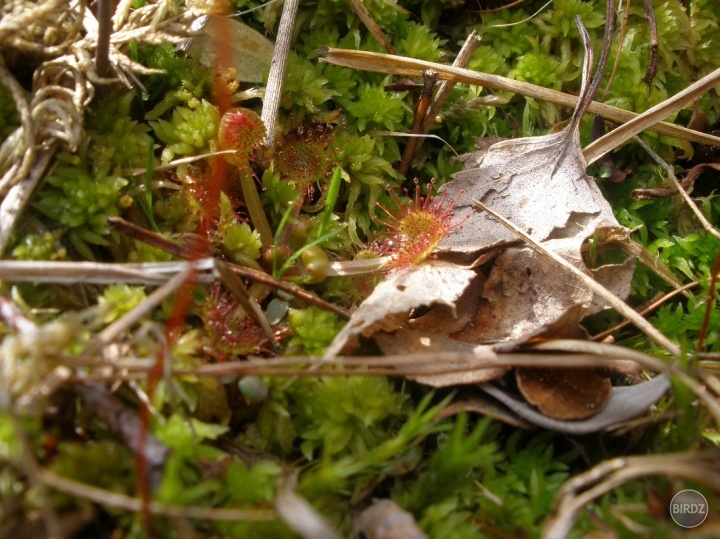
(183, 301)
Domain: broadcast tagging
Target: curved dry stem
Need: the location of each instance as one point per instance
(26, 133)
(613, 473)
(396, 65)
(683, 193)
(115, 500)
(650, 308)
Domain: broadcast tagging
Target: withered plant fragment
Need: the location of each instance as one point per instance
(566, 394)
(385, 519)
(388, 307)
(459, 372)
(539, 185)
(625, 403)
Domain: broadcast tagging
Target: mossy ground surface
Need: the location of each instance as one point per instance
(346, 439)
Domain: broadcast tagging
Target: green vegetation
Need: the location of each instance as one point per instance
(234, 439)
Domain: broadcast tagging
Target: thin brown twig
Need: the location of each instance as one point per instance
(461, 60)
(156, 240)
(652, 67)
(372, 26)
(430, 77)
(620, 40)
(710, 303)
(650, 308)
(686, 197)
(104, 18)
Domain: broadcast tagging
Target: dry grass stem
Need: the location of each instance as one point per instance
(697, 466)
(683, 193)
(129, 319)
(273, 91)
(461, 60)
(400, 365)
(237, 288)
(115, 500)
(650, 119)
(650, 308)
(19, 195)
(396, 65)
(172, 165)
(366, 18)
(152, 273)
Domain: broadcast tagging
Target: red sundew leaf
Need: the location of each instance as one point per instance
(241, 130)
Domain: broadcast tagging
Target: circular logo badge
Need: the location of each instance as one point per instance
(688, 508)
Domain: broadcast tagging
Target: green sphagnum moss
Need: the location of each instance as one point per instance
(353, 438)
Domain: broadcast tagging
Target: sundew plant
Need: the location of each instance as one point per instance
(141, 405)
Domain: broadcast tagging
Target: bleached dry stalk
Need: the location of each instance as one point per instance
(701, 467)
(396, 65)
(116, 500)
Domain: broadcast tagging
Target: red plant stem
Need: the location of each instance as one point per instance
(710, 303)
(212, 189)
(430, 77)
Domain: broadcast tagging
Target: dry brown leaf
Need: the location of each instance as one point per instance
(616, 278)
(567, 394)
(625, 403)
(407, 342)
(523, 294)
(445, 319)
(430, 283)
(538, 183)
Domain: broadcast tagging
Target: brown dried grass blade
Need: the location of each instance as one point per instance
(409, 67)
(650, 119)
